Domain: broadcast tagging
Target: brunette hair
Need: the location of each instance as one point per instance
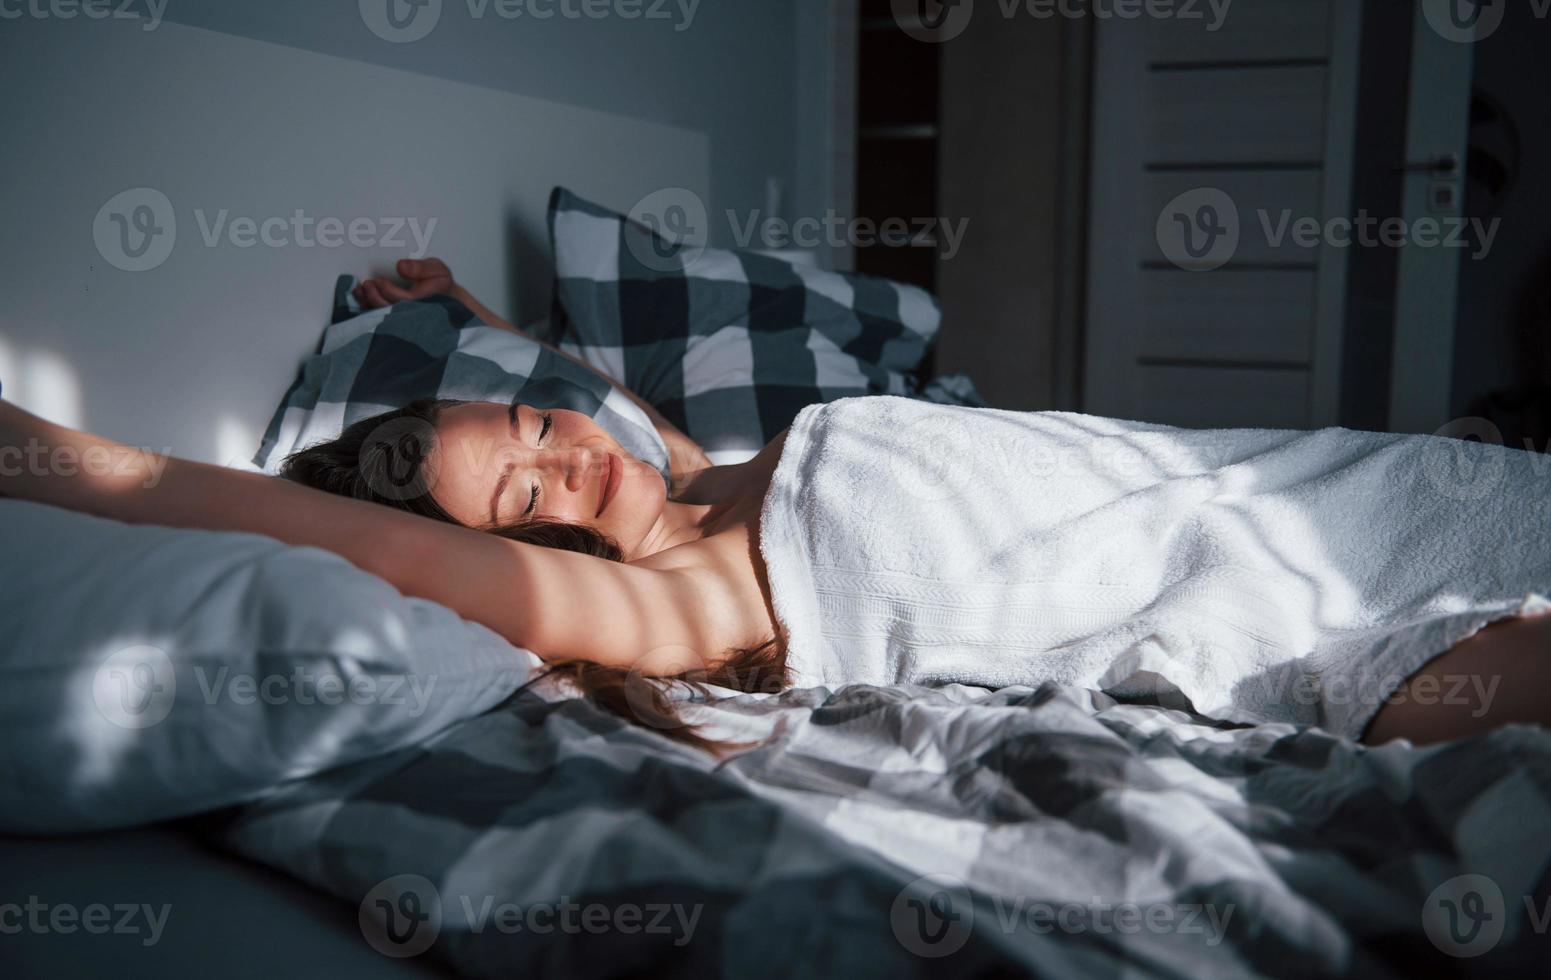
(382, 460)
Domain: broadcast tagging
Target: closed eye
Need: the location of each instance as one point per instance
(533, 498)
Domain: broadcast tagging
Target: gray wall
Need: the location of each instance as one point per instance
(191, 348)
(730, 73)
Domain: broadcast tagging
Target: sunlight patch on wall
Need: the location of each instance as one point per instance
(52, 389)
(8, 375)
(235, 443)
(43, 383)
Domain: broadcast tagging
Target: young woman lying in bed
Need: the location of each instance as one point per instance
(884, 540)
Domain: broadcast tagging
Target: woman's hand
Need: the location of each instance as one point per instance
(426, 277)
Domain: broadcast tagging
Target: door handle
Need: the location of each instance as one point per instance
(1445, 165)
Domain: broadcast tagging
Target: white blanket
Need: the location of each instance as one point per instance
(1265, 575)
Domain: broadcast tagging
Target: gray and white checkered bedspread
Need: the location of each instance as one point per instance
(889, 832)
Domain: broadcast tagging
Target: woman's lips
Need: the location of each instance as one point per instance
(611, 478)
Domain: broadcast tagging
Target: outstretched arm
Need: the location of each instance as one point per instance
(431, 276)
(559, 604)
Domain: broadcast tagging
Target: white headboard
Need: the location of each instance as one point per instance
(193, 354)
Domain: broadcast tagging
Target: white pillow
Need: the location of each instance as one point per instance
(148, 672)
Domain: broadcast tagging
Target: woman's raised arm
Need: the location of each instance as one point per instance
(560, 605)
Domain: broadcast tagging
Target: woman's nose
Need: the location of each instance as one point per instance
(575, 465)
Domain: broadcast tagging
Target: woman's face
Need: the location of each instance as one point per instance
(498, 464)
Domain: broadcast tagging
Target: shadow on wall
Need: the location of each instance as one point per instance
(1523, 413)
(1502, 355)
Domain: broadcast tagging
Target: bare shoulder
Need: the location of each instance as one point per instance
(719, 582)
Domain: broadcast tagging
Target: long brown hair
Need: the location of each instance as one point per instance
(381, 459)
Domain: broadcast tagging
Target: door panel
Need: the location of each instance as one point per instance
(1200, 397)
(1239, 115)
(1254, 30)
(1251, 315)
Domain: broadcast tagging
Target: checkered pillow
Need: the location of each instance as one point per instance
(374, 362)
(728, 345)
